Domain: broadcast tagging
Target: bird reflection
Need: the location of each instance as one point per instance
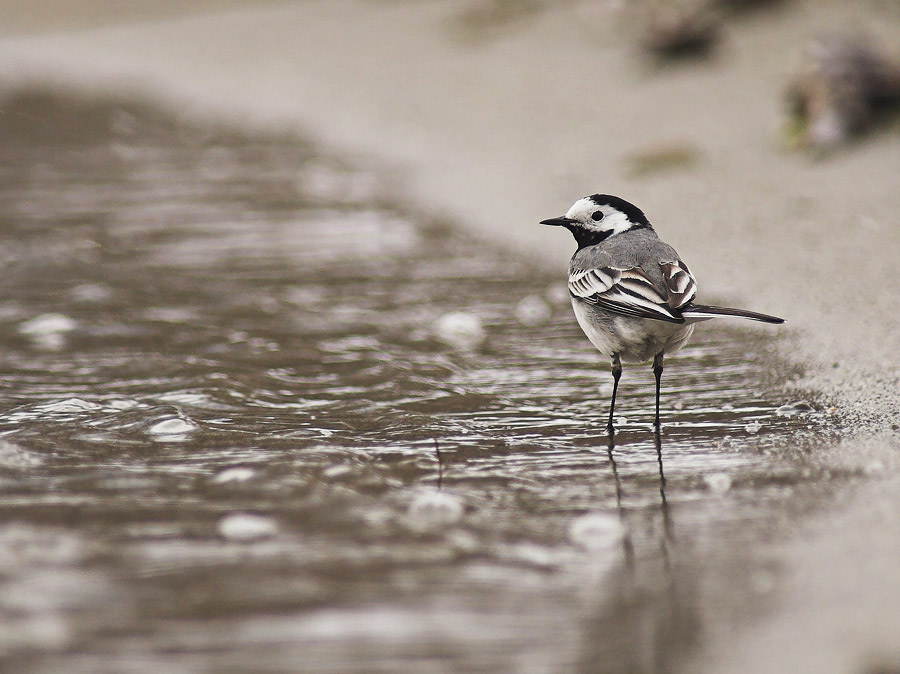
(440, 461)
(664, 504)
(668, 529)
(650, 615)
(627, 543)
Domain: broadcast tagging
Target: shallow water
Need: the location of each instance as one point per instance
(236, 436)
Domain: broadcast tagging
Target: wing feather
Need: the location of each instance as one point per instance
(681, 287)
(632, 292)
(587, 283)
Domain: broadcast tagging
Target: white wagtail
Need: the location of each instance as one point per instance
(632, 294)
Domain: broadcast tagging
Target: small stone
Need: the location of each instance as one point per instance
(337, 470)
(557, 293)
(236, 474)
(247, 527)
(121, 404)
(90, 293)
(435, 509)
(46, 324)
(532, 310)
(595, 531)
(70, 406)
(48, 331)
(794, 408)
(460, 330)
(14, 457)
(174, 429)
(718, 483)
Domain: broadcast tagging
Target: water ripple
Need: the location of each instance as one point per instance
(245, 403)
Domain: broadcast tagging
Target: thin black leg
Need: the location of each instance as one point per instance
(657, 372)
(616, 373)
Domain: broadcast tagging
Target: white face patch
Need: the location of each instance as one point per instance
(613, 221)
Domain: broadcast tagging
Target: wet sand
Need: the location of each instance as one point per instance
(497, 126)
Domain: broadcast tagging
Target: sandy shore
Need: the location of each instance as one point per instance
(499, 126)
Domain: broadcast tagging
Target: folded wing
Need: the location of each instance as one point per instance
(632, 292)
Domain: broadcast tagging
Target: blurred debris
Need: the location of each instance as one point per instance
(747, 5)
(843, 86)
(672, 29)
(687, 29)
(481, 20)
(681, 30)
(662, 157)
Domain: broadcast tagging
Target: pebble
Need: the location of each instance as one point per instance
(794, 408)
(435, 509)
(557, 293)
(174, 429)
(718, 483)
(236, 474)
(14, 457)
(70, 406)
(595, 531)
(247, 527)
(46, 324)
(121, 404)
(90, 292)
(460, 329)
(48, 331)
(532, 310)
(337, 470)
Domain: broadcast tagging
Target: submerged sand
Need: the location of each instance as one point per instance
(498, 124)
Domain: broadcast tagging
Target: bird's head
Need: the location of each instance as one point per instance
(598, 217)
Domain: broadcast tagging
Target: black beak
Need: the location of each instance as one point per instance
(558, 222)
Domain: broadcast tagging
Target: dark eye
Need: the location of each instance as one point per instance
(597, 215)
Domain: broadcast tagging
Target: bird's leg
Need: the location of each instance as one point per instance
(616, 373)
(657, 372)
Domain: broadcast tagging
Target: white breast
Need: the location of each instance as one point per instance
(636, 340)
(605, 340)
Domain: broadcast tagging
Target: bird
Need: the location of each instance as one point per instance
(633, 295)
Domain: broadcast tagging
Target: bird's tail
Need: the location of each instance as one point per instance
(702, 312)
